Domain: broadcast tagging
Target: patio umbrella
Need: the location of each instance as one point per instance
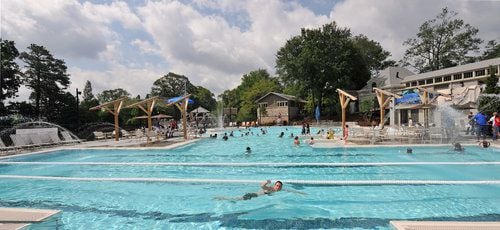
(317, 113)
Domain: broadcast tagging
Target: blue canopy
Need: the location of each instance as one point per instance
(317, 113)
(409, 98)
(175, 99)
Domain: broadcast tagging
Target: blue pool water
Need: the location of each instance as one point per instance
(190, 205)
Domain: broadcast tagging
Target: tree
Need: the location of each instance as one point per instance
(205, 98)
(10, 74)
(248, 109)
(492, 50)
(46, 76)
(492, 83)
(172, 85)
(111, 95)
(376, 58)
(87, 92)
(442, 42)
(321, 60)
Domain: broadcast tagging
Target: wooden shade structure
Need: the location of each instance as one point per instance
(117, 106)
(383, 102)
(345, 98)
(150, 104)
(426, 101)
(182, 105)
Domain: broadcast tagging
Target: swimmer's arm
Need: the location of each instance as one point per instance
(264, 185)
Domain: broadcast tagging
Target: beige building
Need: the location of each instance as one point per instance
(461, 85)
(278, 108)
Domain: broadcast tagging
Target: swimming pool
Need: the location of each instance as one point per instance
(175, 188)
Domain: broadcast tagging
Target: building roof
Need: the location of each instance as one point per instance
(452, 70)
(387, 78)
(199, 110)
(284, 96)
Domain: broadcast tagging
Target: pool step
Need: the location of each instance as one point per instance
(19, 218)
(444, 225)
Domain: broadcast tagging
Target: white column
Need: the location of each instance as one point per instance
(392, 112)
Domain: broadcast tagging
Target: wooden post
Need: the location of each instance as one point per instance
(383, 103)
(150, 104)
(345, 98)
(117, 106)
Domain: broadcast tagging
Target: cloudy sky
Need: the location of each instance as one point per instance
(130, 44)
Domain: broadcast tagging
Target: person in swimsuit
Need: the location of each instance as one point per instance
(266, 190)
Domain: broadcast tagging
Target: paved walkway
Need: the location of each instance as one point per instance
(444, 225)
(18, 218)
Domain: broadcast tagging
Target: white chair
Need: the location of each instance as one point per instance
(99, 135)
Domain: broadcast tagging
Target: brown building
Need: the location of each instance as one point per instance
(278, 108)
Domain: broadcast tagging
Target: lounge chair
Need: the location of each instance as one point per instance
(20, 142)
(3, 147)
(99, 135)
(68, 138)
(126, 134)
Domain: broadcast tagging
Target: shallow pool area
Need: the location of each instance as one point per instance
(177, 188)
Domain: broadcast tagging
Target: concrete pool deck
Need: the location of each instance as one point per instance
(19, 218)
(444, 225)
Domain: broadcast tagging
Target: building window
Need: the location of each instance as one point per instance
(413, 83)
(480, 72)
(438, 79)
(421, 82)
(408, 84)
(468, 75)
(263, 105)
(282, 103)
(443, 86)
(457, 76)
(429, 81)
(447, 78)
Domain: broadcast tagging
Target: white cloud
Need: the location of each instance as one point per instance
(391, 22)
(116, 11)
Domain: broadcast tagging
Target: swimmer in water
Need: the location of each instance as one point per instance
(248, 150)
(409, 150)
(458, 147)
(266, 190)
(484, 144)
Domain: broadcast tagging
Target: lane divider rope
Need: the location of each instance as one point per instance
(253, 164)
(230, 181)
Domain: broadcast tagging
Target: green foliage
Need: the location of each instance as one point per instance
(47, 77)
(492, 83)
(489, 104)
(10, 74)
(111, 95)
(205, 98)
(248, 110)
(319, 61)
(172, 85)
(253, 85)
(492, 50)
(374, 55)
(442, 42)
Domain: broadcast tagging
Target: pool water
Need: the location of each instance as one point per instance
(190, 204)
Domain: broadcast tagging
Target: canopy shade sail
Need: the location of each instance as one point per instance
(176, 99)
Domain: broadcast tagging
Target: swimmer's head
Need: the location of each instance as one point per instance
(249, 149)
(278, 185)
(409, 150)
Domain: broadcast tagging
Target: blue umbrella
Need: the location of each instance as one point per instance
(317, 113)
(174, 99)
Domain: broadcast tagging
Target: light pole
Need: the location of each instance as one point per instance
(77, 108)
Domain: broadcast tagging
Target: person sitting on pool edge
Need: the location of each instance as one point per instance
(266, 190)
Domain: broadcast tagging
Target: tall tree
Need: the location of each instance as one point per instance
(376, 58)
(172, 85)
(46, 76)
(205, 98)
(442, 42)
(10, 74)
(112, 94)
(321, 60)
(87, 92)
(492, 50)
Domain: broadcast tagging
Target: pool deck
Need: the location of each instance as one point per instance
(19, 218)
(444, 225)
